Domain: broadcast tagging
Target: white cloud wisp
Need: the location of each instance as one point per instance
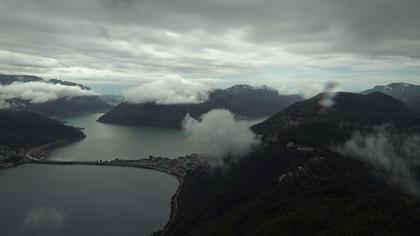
(170, 90)
(218, 135)
(393, 155)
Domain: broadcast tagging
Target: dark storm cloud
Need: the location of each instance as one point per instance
(199, 38)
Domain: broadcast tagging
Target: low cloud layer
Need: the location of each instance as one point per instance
(296, 42)
(171, 90)
(393, 155)
(218, 135)
(38, 92)
(45, 219)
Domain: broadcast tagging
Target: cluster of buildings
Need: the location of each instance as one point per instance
(177, 167)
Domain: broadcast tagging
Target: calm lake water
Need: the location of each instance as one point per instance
(83, 200)
(87, 200)
(107, 142)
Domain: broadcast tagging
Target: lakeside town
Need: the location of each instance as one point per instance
(177, 167)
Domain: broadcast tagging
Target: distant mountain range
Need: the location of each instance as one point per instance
(64, 106)
(9, 79)
(294, 183)
(407, 93)
(243, 100)
(112, 99)
(59, 107)
(280, 189)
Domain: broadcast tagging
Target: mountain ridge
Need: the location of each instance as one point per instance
(407, 93)
(23, 129)
(58, 107)
(346, 115)
(280, 188)
(242, 100)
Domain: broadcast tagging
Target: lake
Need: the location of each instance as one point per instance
(83, 200)
(92, 200)
(107, 141)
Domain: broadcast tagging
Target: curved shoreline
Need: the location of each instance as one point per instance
(174, 207)
(44, 149)
(176, 167)
(151, 164)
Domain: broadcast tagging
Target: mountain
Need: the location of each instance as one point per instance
(310, 123)
(64, 106)
(407, 93)
(68, 83)
(111, 99)
(59, 107)
(414, 102)
(9, 79)
(22, 129)
(279, 189)
(243, 100)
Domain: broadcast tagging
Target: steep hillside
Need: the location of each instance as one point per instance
(21, 129)
(243, 100)
(309, 123)
(280, 189)
(414, 102)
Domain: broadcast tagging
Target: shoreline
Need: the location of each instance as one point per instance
(175, 167)
(174, 208)
(120, 163)
(43, 149)
(159, 164)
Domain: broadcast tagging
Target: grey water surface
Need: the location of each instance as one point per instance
(92, 200)
(107, 142)
(83, 200)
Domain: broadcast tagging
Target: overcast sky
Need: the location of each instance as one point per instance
(292, 45)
